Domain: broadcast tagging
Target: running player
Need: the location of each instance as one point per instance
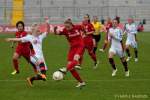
(98, 29)
(35, 38)
(22, 49)
(74, 37)
(88, 39)
(131, 30)
(108, 25)
(115, 36)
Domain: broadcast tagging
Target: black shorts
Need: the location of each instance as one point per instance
(97, 37)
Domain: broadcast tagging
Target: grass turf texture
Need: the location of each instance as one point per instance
(100, 84)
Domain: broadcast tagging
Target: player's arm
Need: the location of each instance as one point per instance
(23, 39)
(13, 39)
(13, 43)
(58, 32)
(117, 36)
(47, 25)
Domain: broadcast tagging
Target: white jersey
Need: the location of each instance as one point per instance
(116, 38)
(131, 30)
(36, 42)
(37, 47)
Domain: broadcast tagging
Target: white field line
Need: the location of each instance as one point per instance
(129, 80)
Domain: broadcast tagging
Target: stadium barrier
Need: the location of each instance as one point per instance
(11, 29)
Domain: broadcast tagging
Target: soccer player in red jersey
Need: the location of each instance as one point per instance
(22, 49)
(74, 37)
(88, 39)
(108, 25)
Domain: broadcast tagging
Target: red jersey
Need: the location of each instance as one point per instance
(74, 36)
(88, 27)
(108, 26)
(20, 35)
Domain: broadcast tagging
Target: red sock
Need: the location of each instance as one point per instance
(76, 75)
(71, 65)
(15, 63)
(93, 56)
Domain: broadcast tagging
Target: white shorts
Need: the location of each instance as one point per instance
(35, 59)
(133, 44)
(117, 51)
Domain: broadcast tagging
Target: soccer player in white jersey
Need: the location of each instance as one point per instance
(36, 57)
(131, 30)
(115, 36)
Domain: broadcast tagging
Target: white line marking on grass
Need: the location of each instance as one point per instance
(85, 80)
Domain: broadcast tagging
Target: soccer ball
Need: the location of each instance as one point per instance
(58, 76)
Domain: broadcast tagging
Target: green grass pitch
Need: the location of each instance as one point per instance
(100, 84)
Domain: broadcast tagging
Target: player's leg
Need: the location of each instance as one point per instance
(72, 62)
(106, 42)
(124, 62)
(135, 51)
(75, 74)
(136, 54)
(97, 39)
(15, 63)
(33, 65)
(41, 75)
(90, 48)
(128, 52)
(111, 61)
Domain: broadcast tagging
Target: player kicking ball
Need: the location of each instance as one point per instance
(74, 37)
(36, 57)
(131, 30)
(115, 37)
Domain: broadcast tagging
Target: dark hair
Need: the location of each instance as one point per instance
(116, 20)
(20, 22)
(88, 17)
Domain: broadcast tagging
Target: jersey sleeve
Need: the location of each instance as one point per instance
(43, 35)
(26, 38)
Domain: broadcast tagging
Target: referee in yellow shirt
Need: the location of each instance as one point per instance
(98, 29)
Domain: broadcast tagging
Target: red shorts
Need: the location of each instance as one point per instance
(22, 51)
(89, 42)
(78, 50)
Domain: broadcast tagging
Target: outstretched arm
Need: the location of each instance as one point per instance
(13, 39)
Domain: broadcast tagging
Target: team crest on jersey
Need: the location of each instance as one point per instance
(35, 41)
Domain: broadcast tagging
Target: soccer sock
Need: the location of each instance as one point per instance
(93, 56)
(128, 52)
(136, 53)
(104, 46)
(71, 65)
(15, 63)
(80, 60)
(36, 77)
(111, 61)
(125, 65)
(94, 50)
(34, 67)
(76, 75)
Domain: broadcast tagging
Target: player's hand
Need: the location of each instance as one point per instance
(12, 46)
(111, 34)
(46, 20)
(7, 39)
